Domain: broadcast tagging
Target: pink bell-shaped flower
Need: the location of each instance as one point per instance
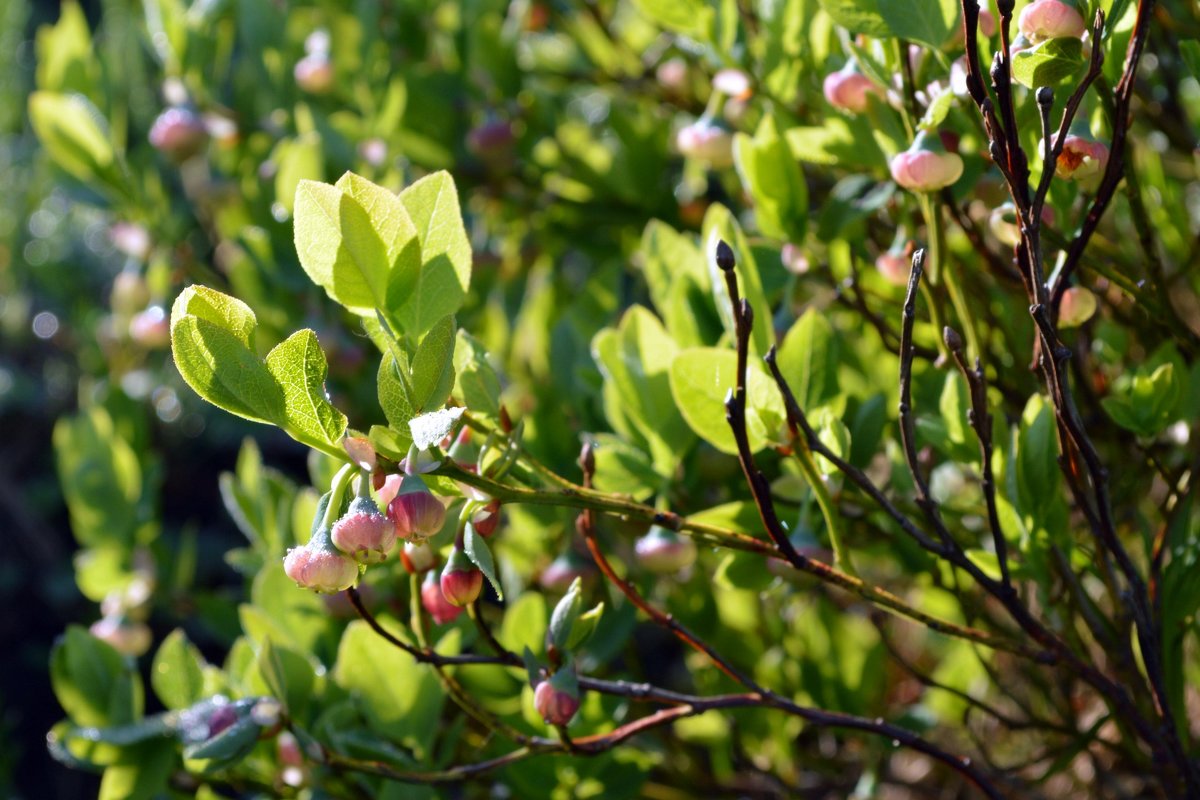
(926, 166)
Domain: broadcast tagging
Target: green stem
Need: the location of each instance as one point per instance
(833, 523)
(337, 489)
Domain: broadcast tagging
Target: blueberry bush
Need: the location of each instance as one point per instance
(630, 398)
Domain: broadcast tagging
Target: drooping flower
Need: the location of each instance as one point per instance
(461, 580)
(1051, 19)
(1077, 307)
(415, 511)
(557, 699)
(708, 141)
(663, 550)
(848, 89)
(435, 602)
(320, 566)
(926, 166)
(363, 533)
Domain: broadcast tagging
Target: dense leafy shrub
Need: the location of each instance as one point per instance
(797, 397)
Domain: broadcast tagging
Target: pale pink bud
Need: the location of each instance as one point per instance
(1051, 19)
(151, 328)
(1077, 307)
(848, 89)
(487, 518)
(314, 73)
(894, 265)
(221, 718)
(435, 602)
(562, 572)
(373, 151)
(418, 558)
(389, 488)
(733, 82)
(322, 569)
(122, 634)
(672, 74)
(361, 451)
(1003, 223)
(415, 512)
(706, 141)
(556, 705)
(131, 239)
(661, 550)
(1082, 158)
(793, 259)
(363, 533)
(178, 133)
(461, 580)
(987, 23)
(926, 166)
(222, 129)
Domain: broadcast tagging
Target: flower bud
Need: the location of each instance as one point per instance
(662, 550)
(793, 259)
(314, 73)
(708, 141)
(734, 83)
(1077, 307)
(320, 566)
(435, 602)
(486, 518)
(557, 699)
(133, 240)
(1002, 222)
(418, 557)
(222, 717)
(1051, 19)
(492, 141)
(123, 634)
(129, 292)
(415, 512)
(926, 166)
(461, 580)
(847, 89)
(151, 328)
(363, 533)
(1082, 158)
(672, 74)
(178, 133)
(562, 572)
(895, 264)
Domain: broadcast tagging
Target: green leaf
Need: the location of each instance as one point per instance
(937, 111)
(476, 382)
(401, 698)
(585, 625)
(1048, 63)
(1037, 457)
(395, 395)
(433, 367)
(808, 360)
(693, 18)
(69, 130)
(524, 624)
(838, 142)
(859, 16)
(622, 468)
(389, 218)
(1145, 402)
(298, 365)
(101, 480)
(566, 611)
(954, 405)
(700, 379)
(288, 675)
(772, 177)
(95, 684)
(227, 747)
(419, 297)
(739, 570)
(339, 248)
(299, 159)
(210, 335)
(177, 673)
(142, 773)
(476, 548)
(928, 21)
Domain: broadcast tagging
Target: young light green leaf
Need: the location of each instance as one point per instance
(433, 367)
(929, 21)
(419, 297)
(808, 359)
(395, 394)
(66, 126)
(388, 217)
(340, 249)
(213, 356)
(585, 625)
(565, 613)
(93, 683)
(299, 159)
(859, 16)
(939, 107)
(298, 365)
(700, 379)
(1048, 63)
(773, 179)
(177, 673)
(476, 548)
(476, 382)
(524, 623)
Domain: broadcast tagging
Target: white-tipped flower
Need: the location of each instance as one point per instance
(926, 166)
